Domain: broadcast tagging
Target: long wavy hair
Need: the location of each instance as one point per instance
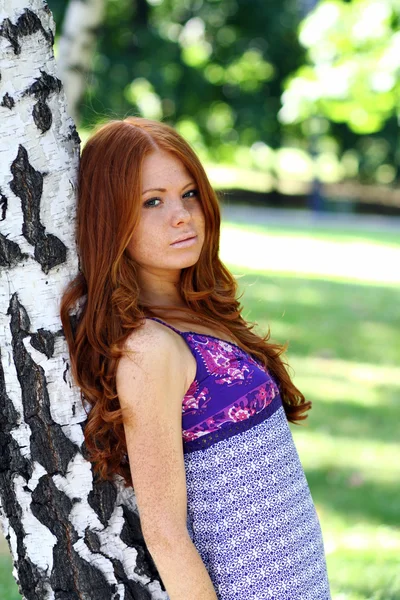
(100, 307)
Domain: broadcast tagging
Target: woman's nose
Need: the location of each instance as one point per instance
(180, 212)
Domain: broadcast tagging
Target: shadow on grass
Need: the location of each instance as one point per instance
(354, 421)
(370, 592)
(346, 320)
(365, 574)
(375, 503)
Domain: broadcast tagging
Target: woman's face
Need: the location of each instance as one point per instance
(170, 210)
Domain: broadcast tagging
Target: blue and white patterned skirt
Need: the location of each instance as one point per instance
(252, 518)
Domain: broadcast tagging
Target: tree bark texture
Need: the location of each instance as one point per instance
(76, 46)
(70, 538)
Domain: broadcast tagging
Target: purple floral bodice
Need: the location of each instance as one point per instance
(229, 387)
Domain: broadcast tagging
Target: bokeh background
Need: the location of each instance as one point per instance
(294, 108)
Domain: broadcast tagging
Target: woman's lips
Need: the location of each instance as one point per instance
(185, 243)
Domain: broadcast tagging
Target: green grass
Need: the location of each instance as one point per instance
(8, 587)
(334, 295)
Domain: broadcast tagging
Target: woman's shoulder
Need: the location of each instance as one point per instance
(152, 342)
(150, 373)
(151, 337)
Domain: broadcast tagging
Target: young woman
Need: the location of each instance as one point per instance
(188, 404)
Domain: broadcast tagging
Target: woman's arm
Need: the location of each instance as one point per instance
(150, 386)
(181, 569)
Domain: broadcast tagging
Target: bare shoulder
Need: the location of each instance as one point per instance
(151, 337)
(148, 334)
(155, 355)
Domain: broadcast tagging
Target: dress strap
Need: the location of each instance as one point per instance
(166, 324)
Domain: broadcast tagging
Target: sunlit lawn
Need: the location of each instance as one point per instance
(8, 587)
(335, 296)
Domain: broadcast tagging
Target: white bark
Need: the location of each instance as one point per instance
(70, 539)
(76, 48)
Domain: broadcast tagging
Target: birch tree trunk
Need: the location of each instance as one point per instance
(76, 48)
(69, 538)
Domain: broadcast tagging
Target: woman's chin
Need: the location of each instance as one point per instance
(183, 263)
(188, 263)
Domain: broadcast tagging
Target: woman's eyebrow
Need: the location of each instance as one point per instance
(164, 190)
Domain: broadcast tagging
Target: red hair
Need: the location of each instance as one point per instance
(100, 306)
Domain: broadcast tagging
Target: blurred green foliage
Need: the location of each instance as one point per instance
(354, 59)
(242, 82)
(212, 68)
(351, 77)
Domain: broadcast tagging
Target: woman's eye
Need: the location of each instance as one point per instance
(194, 192)
(148, 202)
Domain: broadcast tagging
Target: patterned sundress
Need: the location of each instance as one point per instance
(251, 515)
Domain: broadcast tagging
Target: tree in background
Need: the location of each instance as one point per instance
(70, 537)
(76, 49)
(350, 87)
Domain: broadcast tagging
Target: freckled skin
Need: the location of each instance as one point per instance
(150, 397)
(170, 214)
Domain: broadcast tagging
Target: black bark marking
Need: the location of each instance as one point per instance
(27, 24)
(8, 101)
(43, 86)
(42, 116)
(11, 462)
(3, 205)
(49, 252)
(65, 380)
(41, 89)
(10, 252)
(92, 541)
(10, 32)
(72, 577)
(10, 456)
(27, 184)
(51, 507)
(74, 135)
(102, 499)
(49, 446)
(43, 341)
